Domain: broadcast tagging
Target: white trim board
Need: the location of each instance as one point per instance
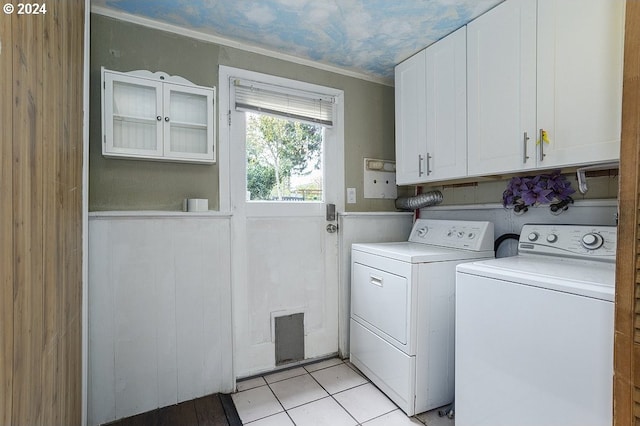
(85, 215)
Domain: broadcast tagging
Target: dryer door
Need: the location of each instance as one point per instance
(381, 299)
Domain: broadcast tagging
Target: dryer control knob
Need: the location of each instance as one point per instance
(592, 241)
(423, 231)
(533, 236)
(552, 238)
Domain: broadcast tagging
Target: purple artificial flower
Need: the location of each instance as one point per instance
(540, 189)
(537, 195)
(508, 198)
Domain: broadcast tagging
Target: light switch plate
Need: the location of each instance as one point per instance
(351, 195)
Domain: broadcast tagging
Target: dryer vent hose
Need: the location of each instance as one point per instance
(427, 199)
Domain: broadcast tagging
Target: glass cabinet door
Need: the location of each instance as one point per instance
(188, 132)
(133, 115)
(155, 116)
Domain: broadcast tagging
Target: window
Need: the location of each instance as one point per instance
(285, 135)
(284, 159)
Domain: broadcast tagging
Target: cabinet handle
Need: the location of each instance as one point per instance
(159, 118)
(428, 164)
(542, 154)
(166, 119)
(420, 158)
(525, 140)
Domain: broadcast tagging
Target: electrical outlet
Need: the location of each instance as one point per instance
(380, 185)
(351, 195)
(379, 179)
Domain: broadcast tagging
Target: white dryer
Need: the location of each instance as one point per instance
(534, 332)
(402, 309)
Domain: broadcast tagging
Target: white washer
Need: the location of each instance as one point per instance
(534, 332)
(402, 309)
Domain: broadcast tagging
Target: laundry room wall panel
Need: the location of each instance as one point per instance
(101, 380)
(159, 311)
(202, 308)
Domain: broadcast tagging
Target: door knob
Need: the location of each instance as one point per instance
(331, 228)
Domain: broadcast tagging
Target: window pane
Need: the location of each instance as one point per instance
(284, 159)
(188, 108)
(188, 139)
(134, 133)
(134, 101)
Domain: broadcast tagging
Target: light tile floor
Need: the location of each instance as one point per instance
(331, 392)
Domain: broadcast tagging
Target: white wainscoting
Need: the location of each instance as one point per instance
(159, 311)
(363, 228)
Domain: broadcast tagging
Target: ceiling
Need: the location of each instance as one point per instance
(365, 38)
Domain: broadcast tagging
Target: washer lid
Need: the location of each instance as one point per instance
(585, 278)
(406, 251)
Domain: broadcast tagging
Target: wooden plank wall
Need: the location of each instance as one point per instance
(6, 224)
(41, 120)
(627, 329)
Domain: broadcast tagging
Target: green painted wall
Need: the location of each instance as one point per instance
(116, 184)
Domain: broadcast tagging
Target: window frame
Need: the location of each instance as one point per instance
(333, 135)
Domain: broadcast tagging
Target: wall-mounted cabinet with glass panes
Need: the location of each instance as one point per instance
(154, 116)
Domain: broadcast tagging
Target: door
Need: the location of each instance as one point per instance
(285, 248)
(626, 389)
(381, 296)
(411, 128)
(446, 113)
(579, 74)
(132, 115)
(501, 88)
(188, 129)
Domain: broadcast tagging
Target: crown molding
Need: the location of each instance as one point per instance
(199, 35)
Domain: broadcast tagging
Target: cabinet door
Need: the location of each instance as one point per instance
(188, 123)
(501, 60)
(580, 46)
(410, 120)
(132, 116)
(446, 98)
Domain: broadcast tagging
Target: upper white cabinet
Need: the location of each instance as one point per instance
(411, 128)
(431, 110)
(501, 75)
(546, 66)
(155, 116)
(579, 103)
(447, 107)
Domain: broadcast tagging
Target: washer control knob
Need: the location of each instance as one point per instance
(423, 231)
(460, 234)
(533, 236)
(552, 238)
(592, 241)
